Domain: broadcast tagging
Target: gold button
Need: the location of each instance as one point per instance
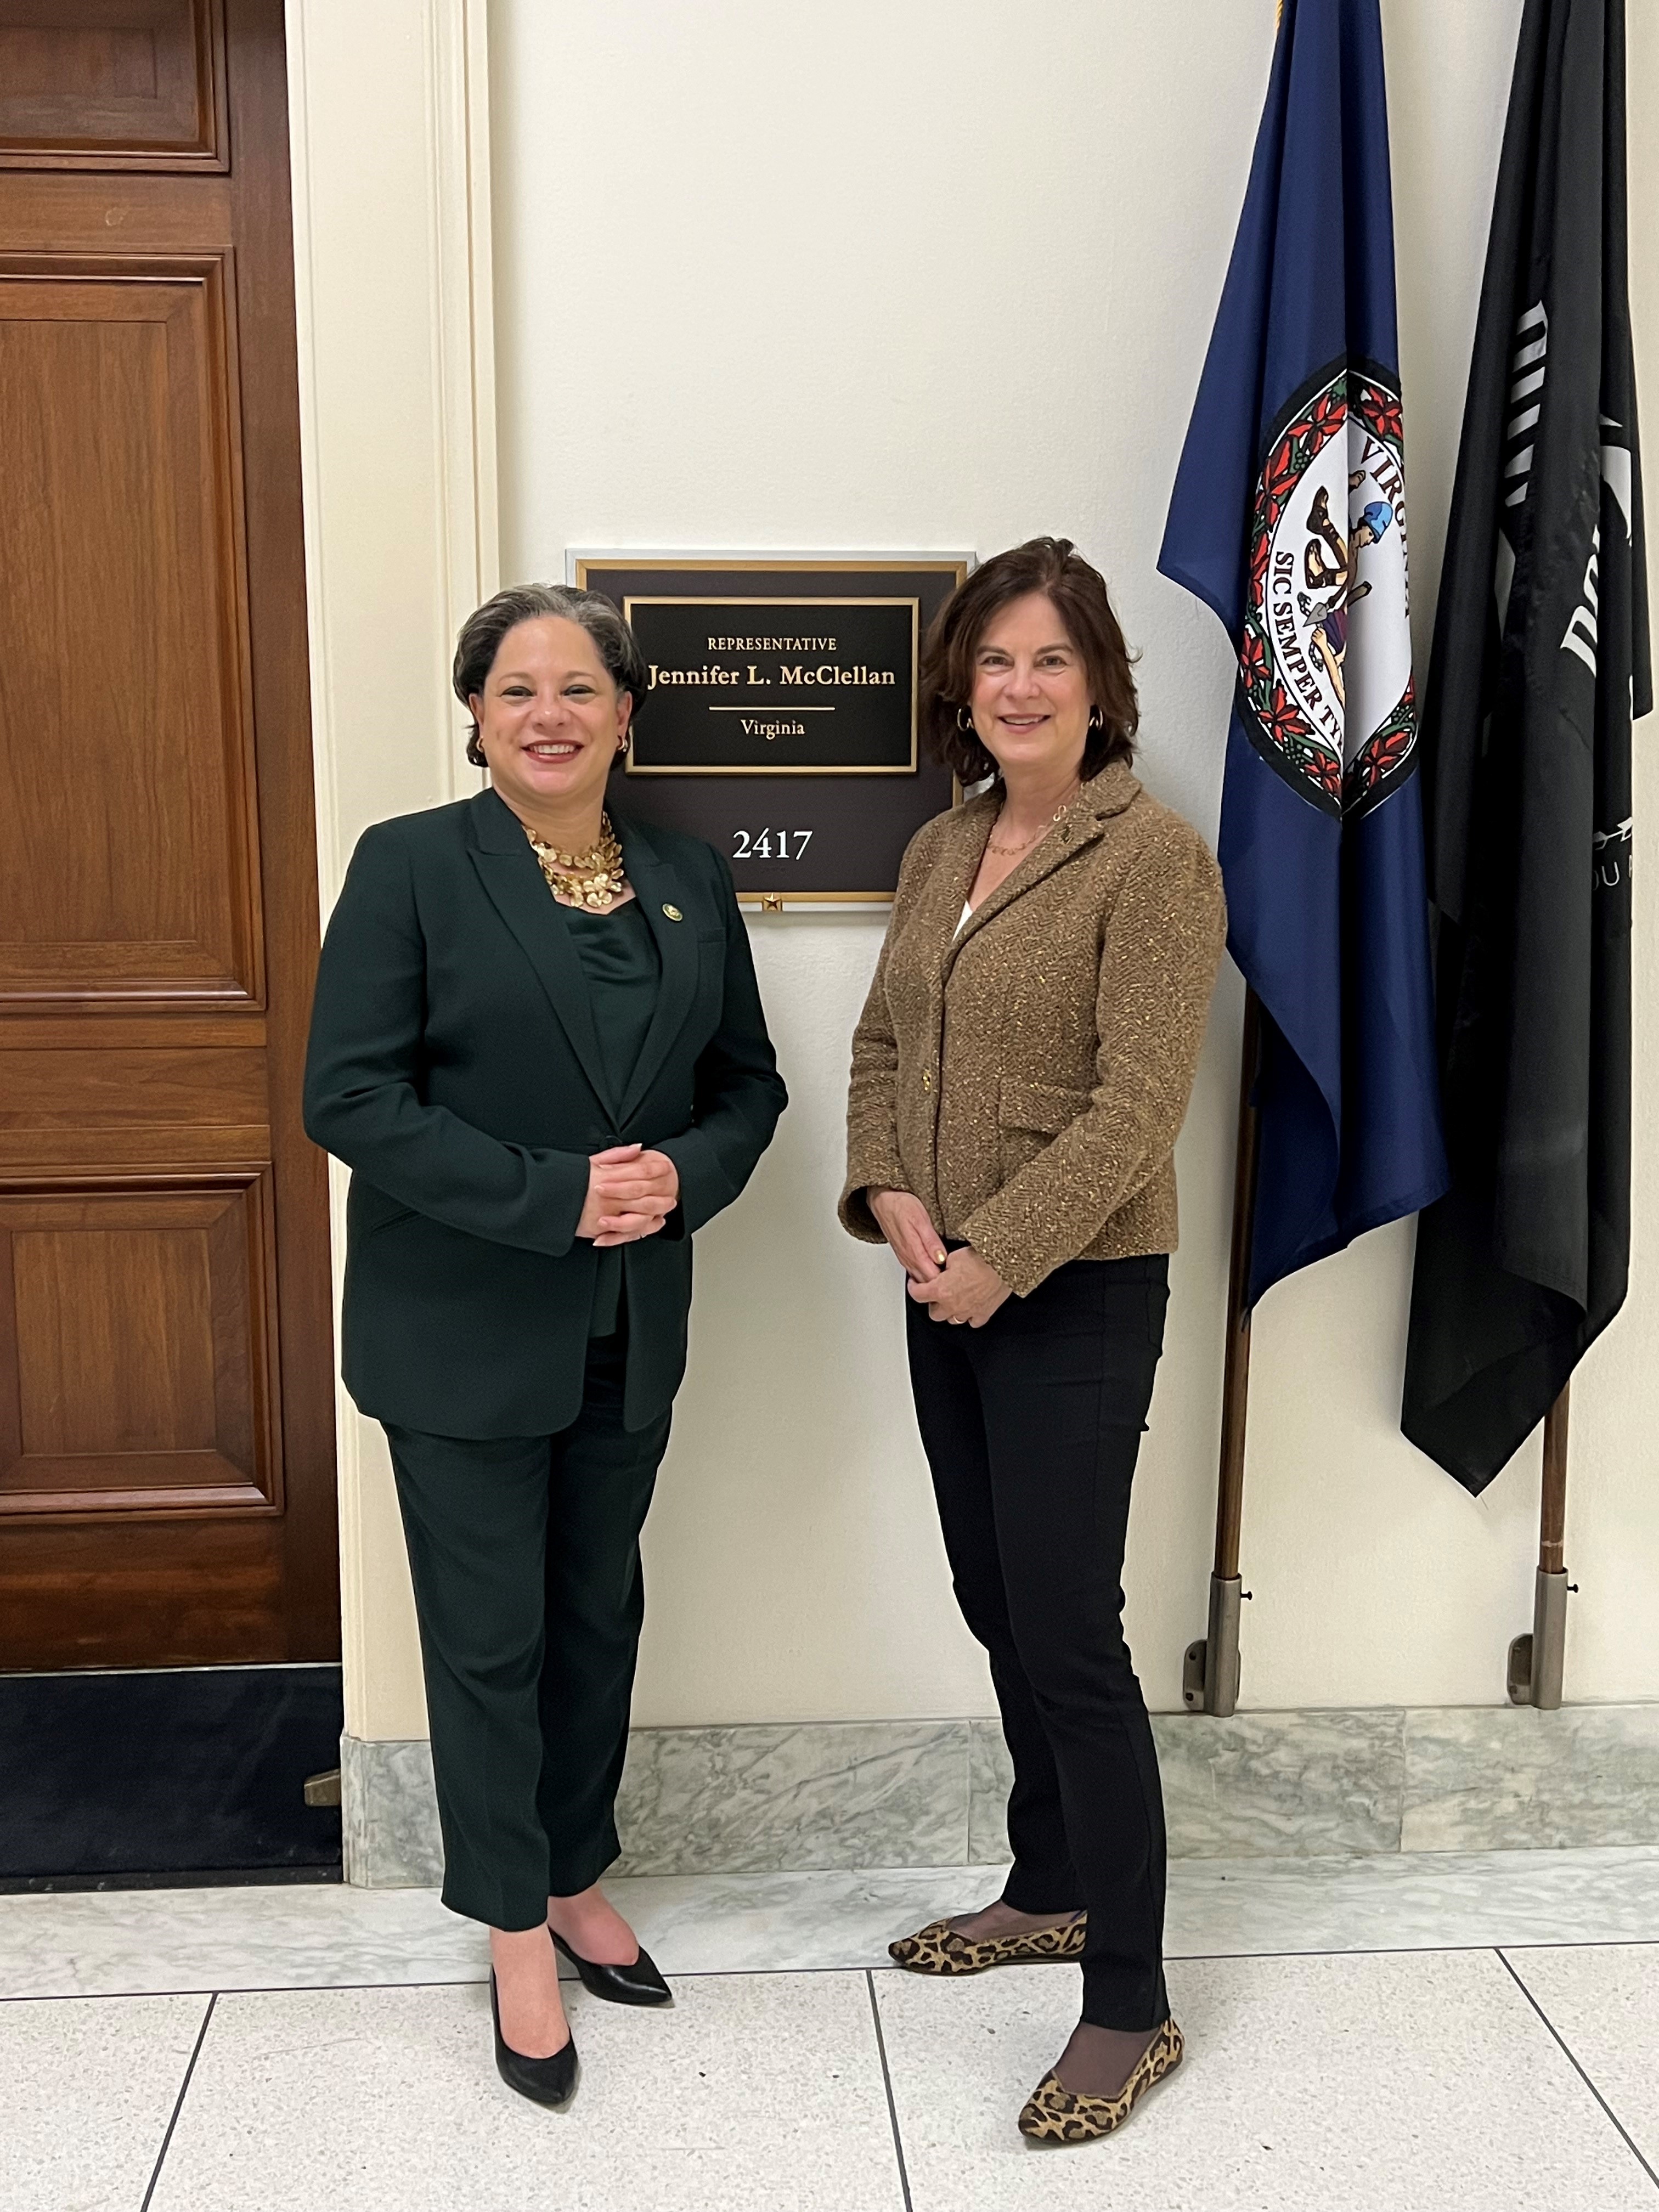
(673, 913)
(926, 1081)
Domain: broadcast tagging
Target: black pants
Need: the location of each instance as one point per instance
(1031, 1426)
(524, 1555)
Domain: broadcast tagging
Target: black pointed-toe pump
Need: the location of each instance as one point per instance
(550, 2082)
(638, 1985)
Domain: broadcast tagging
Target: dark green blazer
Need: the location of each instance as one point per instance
(455, 1068)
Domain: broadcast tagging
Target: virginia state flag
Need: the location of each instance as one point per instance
(1289, 518)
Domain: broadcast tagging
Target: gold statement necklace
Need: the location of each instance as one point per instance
(593, 879)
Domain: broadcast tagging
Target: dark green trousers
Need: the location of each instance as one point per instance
(524, 1553)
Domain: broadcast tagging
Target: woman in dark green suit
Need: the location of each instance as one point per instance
(538, 1043)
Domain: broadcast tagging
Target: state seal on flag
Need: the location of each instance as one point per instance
(1325, 659)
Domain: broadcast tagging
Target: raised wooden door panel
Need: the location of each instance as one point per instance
(139, 1373)
(112, 84)
(122, 606)
(197, 1090)
(167, 1391)
(202, 1097)
(76, 1592)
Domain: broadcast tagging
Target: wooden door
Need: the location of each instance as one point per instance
(166, 1467)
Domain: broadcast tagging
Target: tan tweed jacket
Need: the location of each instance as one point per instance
(1028, 1078)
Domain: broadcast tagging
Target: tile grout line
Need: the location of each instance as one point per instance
(1573, 2060)
(887, 2083)
(179, 2106)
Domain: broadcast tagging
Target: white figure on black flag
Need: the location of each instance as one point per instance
(1540, 660)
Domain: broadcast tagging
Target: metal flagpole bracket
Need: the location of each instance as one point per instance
(1537, 1661)
(1202, 1694)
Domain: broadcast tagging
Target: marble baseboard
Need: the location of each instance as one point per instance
(1277, 1785)
(389, 1814)
(825, 1795)
(1260, 1785)
(760, 1799)
(1524, 1780)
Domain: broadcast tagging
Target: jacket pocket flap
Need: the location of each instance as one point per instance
(371, 1210)
(1043, 1107)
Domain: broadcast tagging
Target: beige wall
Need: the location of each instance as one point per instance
(900, 273)
(388, 122)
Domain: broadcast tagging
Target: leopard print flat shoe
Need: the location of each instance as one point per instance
(1053, 2113)
(938, 1948)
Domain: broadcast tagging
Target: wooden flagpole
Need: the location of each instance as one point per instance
(1210, 1673)
(1537, 1661)
(1209, 1676)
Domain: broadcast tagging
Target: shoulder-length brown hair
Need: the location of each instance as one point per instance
(1054, 567)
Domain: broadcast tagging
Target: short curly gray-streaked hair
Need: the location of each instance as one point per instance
(481, 633)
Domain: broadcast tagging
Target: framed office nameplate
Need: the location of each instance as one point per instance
(779, 719)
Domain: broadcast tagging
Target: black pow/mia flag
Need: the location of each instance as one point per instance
(1541, 658)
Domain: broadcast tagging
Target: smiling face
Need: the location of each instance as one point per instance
(551, 719)
(1030, 696)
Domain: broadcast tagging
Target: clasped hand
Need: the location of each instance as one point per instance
(630, 1194)
(956, 1286)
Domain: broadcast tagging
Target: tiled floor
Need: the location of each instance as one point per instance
(1362, 2036)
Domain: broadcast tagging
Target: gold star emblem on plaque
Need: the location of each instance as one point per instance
(673, 913)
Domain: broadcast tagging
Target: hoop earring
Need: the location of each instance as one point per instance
(965, 721)
(1096, 719)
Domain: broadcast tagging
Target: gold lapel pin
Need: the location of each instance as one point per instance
(673, 913)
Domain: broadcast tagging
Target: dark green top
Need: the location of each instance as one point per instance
(455, 1067)
(620, 960)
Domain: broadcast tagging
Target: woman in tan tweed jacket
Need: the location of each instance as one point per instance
(1019, 1076)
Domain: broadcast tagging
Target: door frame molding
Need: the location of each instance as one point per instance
(389, 132)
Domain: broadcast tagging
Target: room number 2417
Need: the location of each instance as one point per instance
(769, 844)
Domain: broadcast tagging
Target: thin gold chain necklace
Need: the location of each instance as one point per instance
(593, 880)
(1008, 851)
